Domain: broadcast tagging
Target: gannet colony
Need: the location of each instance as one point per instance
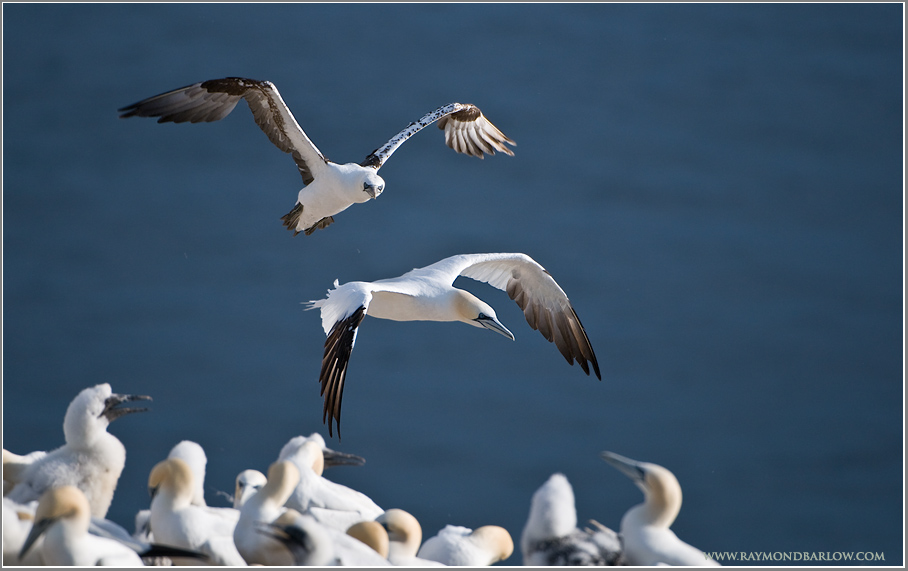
(55, 503)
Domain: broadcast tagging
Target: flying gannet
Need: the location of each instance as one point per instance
(427, 294)
(645, 527)
(461, 546)
(329, 187)
(551, 536)
(92, 458)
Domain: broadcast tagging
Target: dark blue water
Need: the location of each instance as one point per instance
(718, 188)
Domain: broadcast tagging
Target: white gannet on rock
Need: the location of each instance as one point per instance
(265, 506)
(175, 521)
(329, 187)
(194, 455)
(427, 294)
(645, 527)
(248, 482)
(91, 460)
(332, 504)
(462, 546)
(551, 537)
(404, 539)
(63, 518)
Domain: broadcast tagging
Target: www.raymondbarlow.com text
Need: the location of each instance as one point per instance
(807, 556)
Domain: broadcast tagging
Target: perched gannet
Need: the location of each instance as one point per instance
(404, 538)
(332, 504)
(92, 459)
(176, 522)
(73, 537)
(329, 187)
(551, 537)
(316, 545)
(461, 546)
(372, 534)
(248, 482)
(427, 294)
(266, 506)
(194, 455)
(645, 529)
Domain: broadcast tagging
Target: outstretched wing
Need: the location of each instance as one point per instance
(544, 304)
(466, 131)
(215, 99)
(342, 312)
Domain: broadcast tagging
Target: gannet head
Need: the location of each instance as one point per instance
(282, 480)
(472, 310)
(372, 534)
(661, 489)
(248, 482)
(373, 185)
(65, 502)
(174, 476)
(404, 532)
(496, 540)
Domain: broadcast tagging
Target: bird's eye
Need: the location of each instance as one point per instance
(482, 316)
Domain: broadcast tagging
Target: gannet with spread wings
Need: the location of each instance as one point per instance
(329, 187)
(427, 294)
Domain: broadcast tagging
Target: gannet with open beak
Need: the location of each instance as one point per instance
(551, 536)
(265, 506)
(176, 521)
(645, 527)
(92, 458)
(427, 294)
(330, 187)
(461, 546)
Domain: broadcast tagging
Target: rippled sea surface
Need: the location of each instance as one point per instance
(718, 188)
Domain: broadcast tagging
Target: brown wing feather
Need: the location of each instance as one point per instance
(338, 347)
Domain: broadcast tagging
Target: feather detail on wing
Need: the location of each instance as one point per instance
(215, 99)
(466, 131)
(342, 312)
(544, 304)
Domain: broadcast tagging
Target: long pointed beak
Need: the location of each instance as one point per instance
(38, 529)
(373, 191)
(626, 466)
(494, 325)
(335, 458)
(113, 400)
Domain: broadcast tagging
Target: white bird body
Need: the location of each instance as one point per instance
(92, 458)
(428, 294)
(551, 536)
(645, 527)
(315, 545)
(461, 546)
(330, 187)
(266, 506)
(62, 519)
(175, 521)
(318, 494)
(17, 523)
(14, 465)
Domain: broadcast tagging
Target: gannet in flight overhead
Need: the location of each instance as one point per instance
(551, 536)
(330, 187)
(645, 527)
(92, 458)
(427, 294)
